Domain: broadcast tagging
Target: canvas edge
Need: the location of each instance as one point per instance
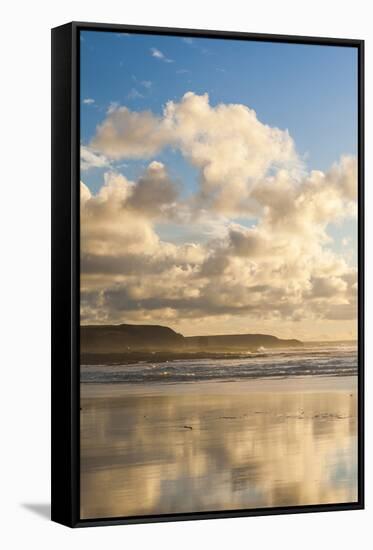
(64, 405)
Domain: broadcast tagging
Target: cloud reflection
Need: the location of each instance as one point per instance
(259, 449)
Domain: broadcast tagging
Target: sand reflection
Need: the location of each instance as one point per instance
(160, 451)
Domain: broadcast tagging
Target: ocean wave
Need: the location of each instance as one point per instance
(317, 360)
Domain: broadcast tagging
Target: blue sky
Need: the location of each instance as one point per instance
(309, 90)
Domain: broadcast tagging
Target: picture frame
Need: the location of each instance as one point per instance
(66, 262)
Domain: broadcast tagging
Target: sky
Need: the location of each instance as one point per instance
(218, 188)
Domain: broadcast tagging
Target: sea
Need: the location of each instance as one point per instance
(329, 359)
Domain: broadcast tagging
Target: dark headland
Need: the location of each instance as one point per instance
(131, 343)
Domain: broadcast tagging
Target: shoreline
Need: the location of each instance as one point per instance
(90, 390)
(133, 358)
(162, 356)
(185, 447)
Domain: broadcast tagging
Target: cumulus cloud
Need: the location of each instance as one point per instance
(267, 255)
(229, 145)
(247, 243)
(129, 134)
(261, 273)
(232, 149)
(107, 227)
(155, 191)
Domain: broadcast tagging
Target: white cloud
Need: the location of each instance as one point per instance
(228, 144)
(89, 159)
(128, 134)
(134, 94)
(157, 53)
(88, 101)
(265, 273)
(154, 192)
(113, 105)
(160, 55)
(280, 268)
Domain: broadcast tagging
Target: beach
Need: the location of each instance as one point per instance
(161, 448)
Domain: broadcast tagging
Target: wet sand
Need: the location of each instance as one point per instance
(177, 448)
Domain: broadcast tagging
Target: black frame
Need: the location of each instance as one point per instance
(66, 273)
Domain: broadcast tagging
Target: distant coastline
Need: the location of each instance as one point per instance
(133, 343)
